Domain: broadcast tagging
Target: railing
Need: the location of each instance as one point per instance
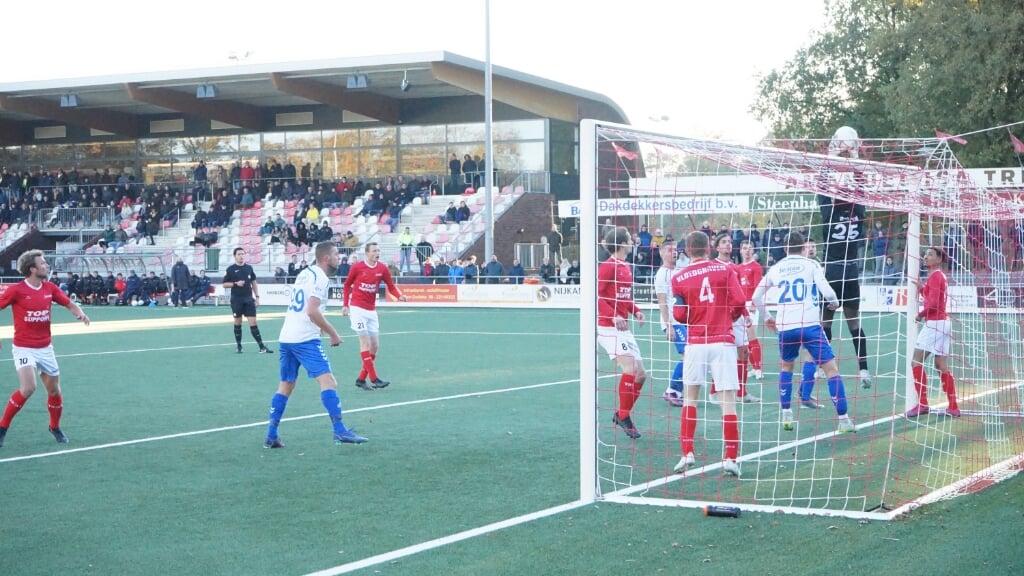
(75, 219)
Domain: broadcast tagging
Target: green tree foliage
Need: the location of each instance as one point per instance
(902, 68)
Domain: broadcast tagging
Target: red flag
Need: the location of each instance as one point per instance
(945, 136)
(623, 153)
(1018, 146)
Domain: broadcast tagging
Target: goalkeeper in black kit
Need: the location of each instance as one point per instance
(843, 237)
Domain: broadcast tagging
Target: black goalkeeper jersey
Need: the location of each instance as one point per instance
(843, 229)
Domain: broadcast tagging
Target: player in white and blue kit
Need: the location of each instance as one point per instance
(304, 323)
(800, 281)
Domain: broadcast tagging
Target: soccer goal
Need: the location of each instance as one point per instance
(909, 195)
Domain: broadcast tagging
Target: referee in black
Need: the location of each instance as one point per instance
(245, 297)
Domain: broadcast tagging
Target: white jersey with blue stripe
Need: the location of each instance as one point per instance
(311, 282)
(800, 283)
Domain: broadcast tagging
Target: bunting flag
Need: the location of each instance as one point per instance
(623, 153)
(1018, 146)
(945, 136)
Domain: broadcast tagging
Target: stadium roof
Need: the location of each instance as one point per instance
(249, 95)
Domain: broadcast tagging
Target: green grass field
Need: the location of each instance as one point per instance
(165, 472)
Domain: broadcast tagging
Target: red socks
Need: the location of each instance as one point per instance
(687, 426)
(755, 353)
(731, 433)
(368, 368)
(55, 404)
(629, 391)
(741, 374)
(13, 405)
(950, 389)
(921, 384)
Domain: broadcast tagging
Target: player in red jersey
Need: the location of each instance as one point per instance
(742, 327)
(935, 336)
(614, 307)
(708, 300)
(32, 348)
(750, 273)
(360, 304)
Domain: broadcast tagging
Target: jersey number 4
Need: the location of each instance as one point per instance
(706, 295)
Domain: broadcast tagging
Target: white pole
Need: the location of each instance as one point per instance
(488, 141)
(588, 311)
(913, 257)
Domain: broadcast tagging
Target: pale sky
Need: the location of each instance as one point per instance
(694, 63)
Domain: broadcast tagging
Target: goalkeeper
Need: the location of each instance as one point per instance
(843, 237)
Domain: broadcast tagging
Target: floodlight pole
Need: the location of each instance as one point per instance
(488, 141)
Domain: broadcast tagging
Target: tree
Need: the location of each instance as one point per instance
(902, 68)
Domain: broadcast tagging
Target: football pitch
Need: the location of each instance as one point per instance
(471, 468)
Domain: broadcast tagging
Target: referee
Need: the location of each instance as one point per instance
(245, 297)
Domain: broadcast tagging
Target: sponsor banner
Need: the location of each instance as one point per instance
(433, 293)
(272, 294)
(894, 298)
(783, 202)
(703, 204)
(525, 295)
(569, 208)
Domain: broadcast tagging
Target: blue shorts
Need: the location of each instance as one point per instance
(812, 338)
(309, 354)
(680, 340)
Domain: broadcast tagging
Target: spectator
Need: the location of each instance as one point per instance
(879, 247)
(776, 249)
(547, 271)
(180, 278)
(133, 289)
(108, 237)
(644, 237)
(405, 248)
(427, 270)
(455, 169)
(343, 267)
(280, 276)
(119, 287)
(574, 272)
(452, 213)
(494, 271)
(516, 272)
(890, 272)
(351, 241)
(278, 235)
(441, 272)
(463, 212)
(268, 227)
(424, 250)
(199, 286)
(455, 272)
(555, 244)
(470, 271)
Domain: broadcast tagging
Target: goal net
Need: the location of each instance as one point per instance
(904, 195)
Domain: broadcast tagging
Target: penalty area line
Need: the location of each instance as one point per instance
(291, 419)
(445, 540)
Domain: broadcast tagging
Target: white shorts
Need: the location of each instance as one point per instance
(739, 331)
(718, 358)
(935, 337)
(40, 359)
(364, 322)
(617, 343)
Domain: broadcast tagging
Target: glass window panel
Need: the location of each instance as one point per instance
(466, 132)
(248, 142)
(273, 141)
(518, 130)
(180, 145)
(422, 134)
(48, 154)
(338, 163)
(563, 157)
(303, 140)
(382, 136)
(300, 159)
(377, 162)
(123, 149)
(424, 160)
(221, 144)
(519, 156)
(153, 147)
(341, 138)
(10, 156)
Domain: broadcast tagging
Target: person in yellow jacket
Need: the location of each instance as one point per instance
(406, 243)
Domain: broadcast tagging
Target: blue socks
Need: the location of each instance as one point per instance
(329, 398)
(785, 389)
(676, 383)
(838, 394)
(277, 406)
(807, 382)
